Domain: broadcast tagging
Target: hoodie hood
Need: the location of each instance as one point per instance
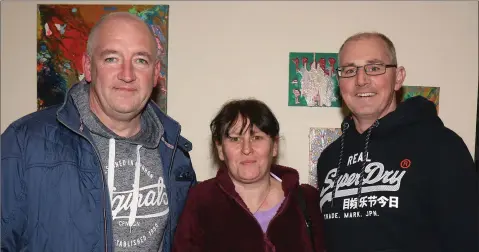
(151, 127)
(413, 111)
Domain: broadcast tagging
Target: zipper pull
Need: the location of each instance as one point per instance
(81, 125)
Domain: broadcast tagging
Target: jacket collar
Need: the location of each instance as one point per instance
(289, 177)
(69, 115)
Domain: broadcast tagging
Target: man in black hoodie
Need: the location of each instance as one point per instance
(397, 179)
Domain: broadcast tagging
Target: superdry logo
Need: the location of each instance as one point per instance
(376, 179)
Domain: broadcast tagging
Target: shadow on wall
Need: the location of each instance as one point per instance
(476, 156)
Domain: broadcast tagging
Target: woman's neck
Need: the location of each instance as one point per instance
(254, 195)
(262, 195)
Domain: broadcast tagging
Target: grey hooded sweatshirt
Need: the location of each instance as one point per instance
(134, 173)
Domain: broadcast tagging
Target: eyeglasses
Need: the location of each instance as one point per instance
(369, 69)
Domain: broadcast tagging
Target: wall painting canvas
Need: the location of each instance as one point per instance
(62, 33)
(431, 93)
(313, 80)
(319, 139)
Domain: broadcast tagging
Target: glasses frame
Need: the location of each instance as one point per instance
(386, 66)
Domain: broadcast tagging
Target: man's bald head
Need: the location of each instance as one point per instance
(111, 18)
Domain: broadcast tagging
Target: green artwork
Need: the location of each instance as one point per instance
(313, 80)
(430, 93)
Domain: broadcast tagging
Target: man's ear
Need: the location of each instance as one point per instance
(86, 62)
(157, 72)
(400, 77)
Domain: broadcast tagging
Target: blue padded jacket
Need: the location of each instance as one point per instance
(54, 196)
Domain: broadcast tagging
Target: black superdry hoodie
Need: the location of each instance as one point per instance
(418, 191)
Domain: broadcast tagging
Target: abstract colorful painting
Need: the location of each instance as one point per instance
(319, 139)
(62, 33)
(431, 93)
(313, 80)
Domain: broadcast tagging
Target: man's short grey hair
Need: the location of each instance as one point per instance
(91, 37)
(365, 35)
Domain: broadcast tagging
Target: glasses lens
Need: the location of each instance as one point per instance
(348, 71)
(375, 69)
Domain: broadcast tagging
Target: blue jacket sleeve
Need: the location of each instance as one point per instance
(13, 191)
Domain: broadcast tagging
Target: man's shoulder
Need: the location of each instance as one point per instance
(435, 135)
(439, 141)
(171, 127)
(167, 122)
(37, 121)
(37, 134)
(449, 139)
(184, 144)
(332, 148)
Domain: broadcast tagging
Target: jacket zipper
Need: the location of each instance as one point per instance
(103, 180)
(170, 168)
(249, 212)
(280, 210)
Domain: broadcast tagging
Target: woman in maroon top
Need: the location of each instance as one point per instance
(252, 204)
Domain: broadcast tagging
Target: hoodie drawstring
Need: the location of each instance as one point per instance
(365, 152)
(136, 186)
(136, 183)
(111, 168)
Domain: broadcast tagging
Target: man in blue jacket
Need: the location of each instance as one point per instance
(106, 170)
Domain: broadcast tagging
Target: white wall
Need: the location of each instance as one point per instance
(221, 50)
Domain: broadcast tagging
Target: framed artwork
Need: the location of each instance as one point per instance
(431, 93)
(313, 80)
(319, 139)
(62, 34)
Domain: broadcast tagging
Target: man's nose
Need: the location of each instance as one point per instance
(127, 73)
(362, 78)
